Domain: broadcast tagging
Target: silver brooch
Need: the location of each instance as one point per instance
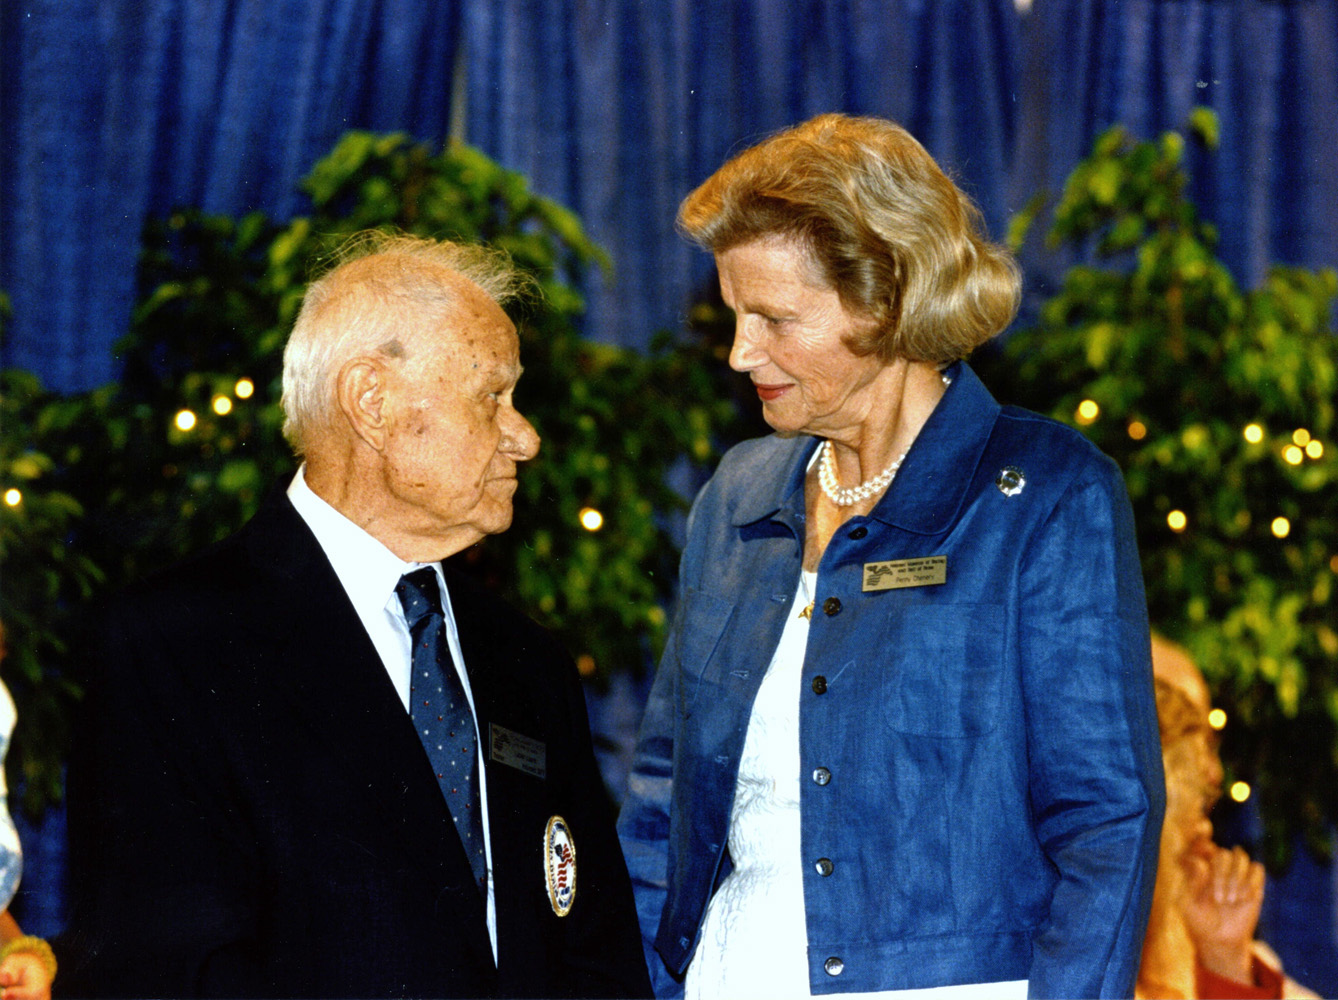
(1010, 481)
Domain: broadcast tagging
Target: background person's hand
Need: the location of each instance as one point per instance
(1221, 907)
(23, 976)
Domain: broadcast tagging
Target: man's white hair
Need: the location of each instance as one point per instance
(380, 288)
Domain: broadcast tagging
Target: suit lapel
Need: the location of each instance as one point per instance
(510, 691)
(338, 690)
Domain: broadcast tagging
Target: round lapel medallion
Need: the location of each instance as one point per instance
(560, 865)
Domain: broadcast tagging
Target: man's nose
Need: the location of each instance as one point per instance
(521, 440)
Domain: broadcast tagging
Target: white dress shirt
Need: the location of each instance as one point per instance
(369, 573)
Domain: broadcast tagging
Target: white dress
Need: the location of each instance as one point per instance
(11, 855)
(754, 942)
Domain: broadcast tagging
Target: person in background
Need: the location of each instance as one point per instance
(316, 761)
(1200, 938)
(903, 734)
(27, 964)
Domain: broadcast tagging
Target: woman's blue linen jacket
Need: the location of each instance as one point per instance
(979, 757)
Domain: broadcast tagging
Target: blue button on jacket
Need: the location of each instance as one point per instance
(995, 792)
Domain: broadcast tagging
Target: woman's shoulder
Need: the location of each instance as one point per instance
(761, 458)
(752, 480)
(1059, 455)
(1035, 432)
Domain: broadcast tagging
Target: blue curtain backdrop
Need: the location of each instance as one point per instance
(115, 110)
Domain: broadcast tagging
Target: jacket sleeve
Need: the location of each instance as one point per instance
(1096, 785)
(643, 825)
(163, 891)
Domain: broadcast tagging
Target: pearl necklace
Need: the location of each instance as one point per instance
(849, 496)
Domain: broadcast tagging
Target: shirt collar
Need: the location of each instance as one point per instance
(368, 570)
(933, 479)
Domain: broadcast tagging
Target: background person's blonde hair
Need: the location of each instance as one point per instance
(881, 224)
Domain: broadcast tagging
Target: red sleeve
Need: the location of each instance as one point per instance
(1267, 984)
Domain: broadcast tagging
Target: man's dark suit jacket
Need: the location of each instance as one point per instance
(251, 813)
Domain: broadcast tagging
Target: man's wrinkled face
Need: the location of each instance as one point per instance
(455, 436)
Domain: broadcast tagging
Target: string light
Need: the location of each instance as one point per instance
(1087, 412)
(1315, 448)
(185, 420)
(591, 519)
(244, 388)
(1281, 527)
(1301, 436)
(1137, 430)
(1177, 521)
(585, 665)
(1240, 791)
(1253, 433)
(1292, 455)
(1217, 718)
(222, 405)
(13, 497)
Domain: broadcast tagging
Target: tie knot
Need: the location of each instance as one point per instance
(419, 595)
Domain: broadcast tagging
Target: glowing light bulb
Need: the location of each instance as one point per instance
(222, 405)
(1217, 718)
(1240, 791)
(13, 497)
(591, 519)
(1137, 430)
(185, 420)
(1087, 411)
(1176, 520)
(244, 388)
(1292, 455)
(1253, 433)
(1281, 527)
(1301, 436)
(1315, 449)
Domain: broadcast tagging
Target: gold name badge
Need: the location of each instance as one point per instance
(927, 571)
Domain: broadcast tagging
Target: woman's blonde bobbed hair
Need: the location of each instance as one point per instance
(880, 223)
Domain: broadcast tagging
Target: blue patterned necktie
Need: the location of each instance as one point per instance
(440, 711)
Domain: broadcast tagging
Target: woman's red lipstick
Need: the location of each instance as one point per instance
(769, 392)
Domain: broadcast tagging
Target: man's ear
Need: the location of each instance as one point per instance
(360, 389)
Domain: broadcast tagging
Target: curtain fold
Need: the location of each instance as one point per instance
(1270, 71)
(115, 111)
(622, 108)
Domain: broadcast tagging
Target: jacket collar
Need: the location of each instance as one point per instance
(932, 482)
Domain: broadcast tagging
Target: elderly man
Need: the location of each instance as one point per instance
(317, 762)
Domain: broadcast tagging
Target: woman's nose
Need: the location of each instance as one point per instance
(744, 354)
